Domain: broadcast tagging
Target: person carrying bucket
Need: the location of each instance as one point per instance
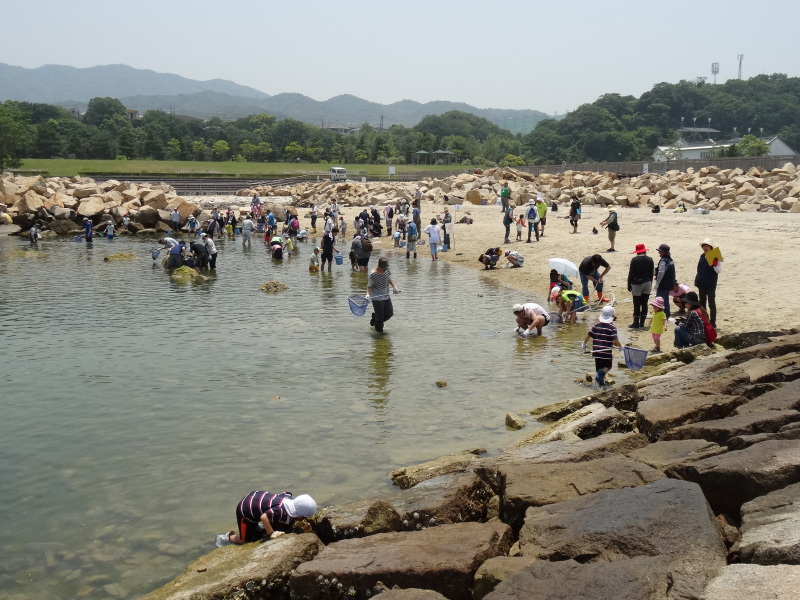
(328, 248)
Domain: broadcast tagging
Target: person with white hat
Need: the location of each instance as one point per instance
(260, 513)
(530, 316)
(603, 335)
(533, 220)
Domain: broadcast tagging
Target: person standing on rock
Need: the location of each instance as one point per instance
(176, 220)
(574, 213)
(665, 276)
(261, 514)
(378, 284)
(611, 222)
(640, 284)
(212, 251)
(706, 279)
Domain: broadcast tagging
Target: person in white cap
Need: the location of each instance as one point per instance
(530, 316)
(260, 513)
(603, 335)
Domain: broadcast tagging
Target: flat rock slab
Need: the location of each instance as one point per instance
(779, 368)
(635, 579)
(786, 397)
(411, 594)
(656, 416)
(731, 479)
(755, 582)
(587, 422)
(443, 559)
(256, 570)
(669, 519)
(662, 455)
(450, 498)
(771, 528)
(550, 483)
(722, 430)
(407, 477)
(495, 570)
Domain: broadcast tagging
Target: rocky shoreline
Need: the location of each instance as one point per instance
(682, 484)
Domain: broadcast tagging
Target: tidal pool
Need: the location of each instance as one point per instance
(137, 411)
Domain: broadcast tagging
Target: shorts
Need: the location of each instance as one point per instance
(249, 531)
(362, 262)
(543, 221)
(327, 255)
(603, 362)
(612, 234)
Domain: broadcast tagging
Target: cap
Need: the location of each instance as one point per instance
(516, 308)
(607, 315)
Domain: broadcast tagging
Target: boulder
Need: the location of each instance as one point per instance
(411, 594)
(84, 191)
(64, 227)
(721, 430)
(529, 485)
(156, 199)
(755, 581)
(473, 197)
(249, 571)
(30, 202)
(91, 207)
(785, 397)
(634, 579)
(407, 477)
(731, 479)
(668, 519)
(147, 216)
(495, 570)
(514, 421)
(662, 455)
(443, 559)
(590, 421)
(771, 528)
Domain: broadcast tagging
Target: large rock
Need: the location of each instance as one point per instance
(147, 216)
(407, 477)
(785, 397)
(668, 519)
(771, 528)
(640, 578)
(473, 197)
(755, 582)
(721, 430)
(662, 455)
(411, 594)
(91, 207)
(443, 559)
(249, 571)
(495, 570)
(550, 483)
(29, 203)
(587, 422)
(64, 227)
(731, 479)
(156, 199)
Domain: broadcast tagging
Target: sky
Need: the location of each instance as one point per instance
(520, 54)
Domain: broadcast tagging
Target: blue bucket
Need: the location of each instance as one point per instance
(338, 258)
(237, 231)
(358, 305)
(634, 357)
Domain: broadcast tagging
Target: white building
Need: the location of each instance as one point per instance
(709, 149)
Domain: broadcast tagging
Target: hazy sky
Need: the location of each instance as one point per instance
(548, 56)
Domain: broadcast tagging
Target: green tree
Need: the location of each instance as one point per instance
(174, 151)
(750, 145)
(293, 151)
(14, 135)
(49, 142)
(221, 150)
(100, 109)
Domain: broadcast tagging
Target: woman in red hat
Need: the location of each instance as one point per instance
(640, 284)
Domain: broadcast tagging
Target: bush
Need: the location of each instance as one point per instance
(120, 157)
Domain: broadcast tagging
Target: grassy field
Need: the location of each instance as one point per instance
(67, 168)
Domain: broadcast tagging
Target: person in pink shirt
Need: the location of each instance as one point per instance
(678, 293)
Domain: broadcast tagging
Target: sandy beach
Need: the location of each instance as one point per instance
(759, 250)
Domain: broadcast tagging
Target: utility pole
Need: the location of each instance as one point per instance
(740, 58)
(381, 126)
(714, 71)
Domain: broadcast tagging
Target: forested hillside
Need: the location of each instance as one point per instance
(612, 128)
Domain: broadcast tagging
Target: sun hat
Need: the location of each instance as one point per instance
(531, 201)
(611, 208)
(663, 248)
(302, 506)
(658, 302)
(446, 209)
(707, 242)
(691, 298)
(517, 308)
(607, 315)
(640, 249)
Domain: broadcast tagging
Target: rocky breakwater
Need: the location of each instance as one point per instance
(709, 188)
(59, 204)
(683, 484)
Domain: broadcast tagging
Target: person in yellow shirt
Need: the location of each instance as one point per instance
(657, 323)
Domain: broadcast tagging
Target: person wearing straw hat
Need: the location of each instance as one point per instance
(611, 223)
(378, 284)
(603, 335)
(260, 513)
(640, 284)
(706, 279)
(447, 219)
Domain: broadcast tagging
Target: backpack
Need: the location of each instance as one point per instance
(711, 333)
(391, 213)
(366, 244)
(532, 212)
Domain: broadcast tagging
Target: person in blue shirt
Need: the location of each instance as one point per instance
(87, 229)
(412, 232)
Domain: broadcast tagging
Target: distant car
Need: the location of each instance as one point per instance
(338, 174)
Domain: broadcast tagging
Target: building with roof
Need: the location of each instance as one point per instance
(709, 148)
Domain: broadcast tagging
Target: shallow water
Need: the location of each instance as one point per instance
(138, 411)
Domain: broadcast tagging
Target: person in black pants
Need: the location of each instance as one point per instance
(640, 284)
(665, 275)
(706, 281)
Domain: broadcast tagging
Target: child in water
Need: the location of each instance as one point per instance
(313, 264)
(657, 322)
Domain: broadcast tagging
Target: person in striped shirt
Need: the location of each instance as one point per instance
(260, 513)
(378, 284)
(604, 336)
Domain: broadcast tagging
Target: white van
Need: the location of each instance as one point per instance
(338, 174)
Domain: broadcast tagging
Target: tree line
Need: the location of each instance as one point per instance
(612, 128)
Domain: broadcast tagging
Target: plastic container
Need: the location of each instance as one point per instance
(338, 258)
(634, 357)
(237, 231)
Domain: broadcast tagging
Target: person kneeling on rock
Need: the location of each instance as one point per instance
(260, 513)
